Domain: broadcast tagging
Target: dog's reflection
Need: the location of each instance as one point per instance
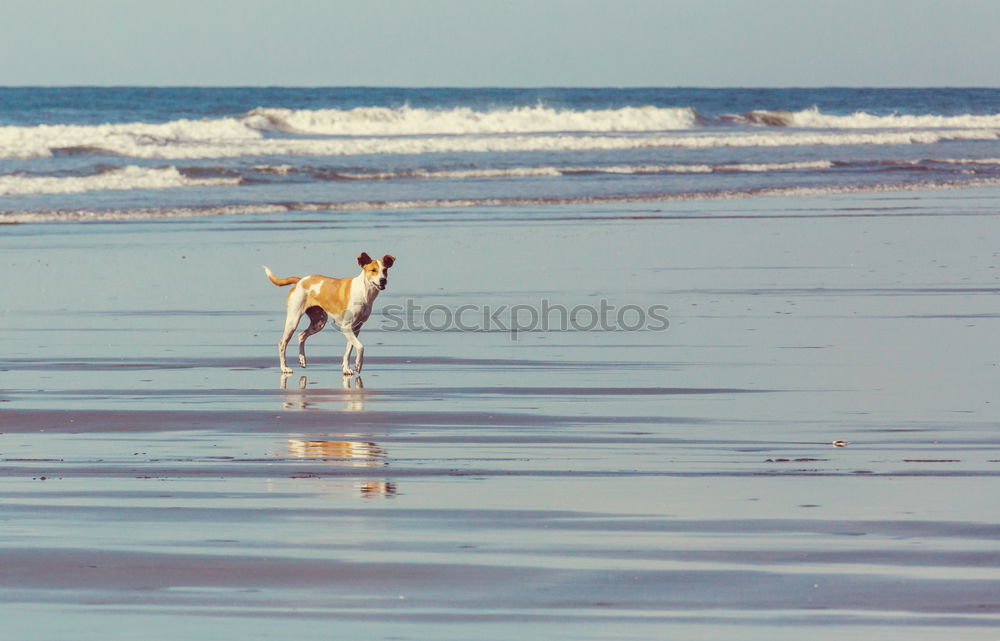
(360, 453)
(352, 453)
(343, 449)
(304, 400)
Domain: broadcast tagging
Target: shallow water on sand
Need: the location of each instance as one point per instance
(810, 446)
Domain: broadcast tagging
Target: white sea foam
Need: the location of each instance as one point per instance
(123, 178)
(814, 119)
(455, 174)
(106, 215)
(860, 120)
(709, 169)
(277, 170)
(966, 161)
(141, 140)
(546, 171)
(408, 121)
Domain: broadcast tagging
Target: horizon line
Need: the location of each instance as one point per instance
(482, 87)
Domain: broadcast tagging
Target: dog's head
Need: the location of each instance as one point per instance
(376, 271)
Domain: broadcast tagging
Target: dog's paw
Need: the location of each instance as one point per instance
(302, 360)
(348, 372)
(287, 370)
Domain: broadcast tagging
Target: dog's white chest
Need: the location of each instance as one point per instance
(359, 305)
(359, 311)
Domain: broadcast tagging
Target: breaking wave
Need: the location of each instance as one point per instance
(141, 140)
(814, 119)
(118, 178)
(405, 130)
(408, 121)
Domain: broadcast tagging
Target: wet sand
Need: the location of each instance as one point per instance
(811, 447)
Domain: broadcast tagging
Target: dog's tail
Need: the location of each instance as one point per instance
(280, 282)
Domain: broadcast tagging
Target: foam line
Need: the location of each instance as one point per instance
(281, 208)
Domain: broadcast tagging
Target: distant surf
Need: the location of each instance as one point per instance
(120, 153)
(383, 131)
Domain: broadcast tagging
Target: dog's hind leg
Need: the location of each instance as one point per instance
(294, 310)
(359, 359)
(317, 318)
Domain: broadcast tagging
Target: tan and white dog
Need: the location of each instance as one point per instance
(348, 301)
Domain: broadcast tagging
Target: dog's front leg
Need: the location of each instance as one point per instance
(348, 335)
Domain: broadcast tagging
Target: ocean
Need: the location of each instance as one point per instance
(120, 153)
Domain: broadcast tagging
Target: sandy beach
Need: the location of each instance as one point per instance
(808, 448)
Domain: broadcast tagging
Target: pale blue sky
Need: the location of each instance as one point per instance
(501, 42)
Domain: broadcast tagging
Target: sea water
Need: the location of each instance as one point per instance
(134, 153)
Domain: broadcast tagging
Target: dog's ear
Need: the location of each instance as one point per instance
(388, 260)
(364, 259)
